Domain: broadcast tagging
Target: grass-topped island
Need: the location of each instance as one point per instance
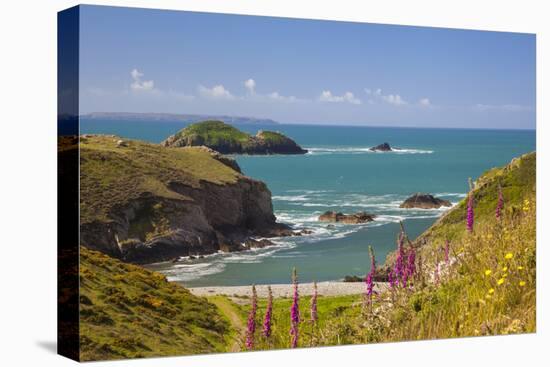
(227, 139)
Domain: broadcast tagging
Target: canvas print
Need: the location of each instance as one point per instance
(233, 183)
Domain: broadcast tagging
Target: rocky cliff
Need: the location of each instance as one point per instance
(146, 203)
(227, 139)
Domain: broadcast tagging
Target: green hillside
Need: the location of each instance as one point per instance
(487, 287)
(517, 181)
(129, 312)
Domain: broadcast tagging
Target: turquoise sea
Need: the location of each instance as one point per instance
(340, 174)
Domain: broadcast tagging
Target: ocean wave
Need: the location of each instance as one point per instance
(290, 197)
(188, 272)
(362, 150)
(457, 194)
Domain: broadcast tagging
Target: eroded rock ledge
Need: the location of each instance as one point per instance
(357, 218)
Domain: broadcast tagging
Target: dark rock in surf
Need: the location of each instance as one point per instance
(384, 147)
(357, 218)
(424, 201)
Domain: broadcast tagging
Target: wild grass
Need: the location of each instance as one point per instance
(129, 312)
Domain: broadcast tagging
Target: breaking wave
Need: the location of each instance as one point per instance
(363, 150)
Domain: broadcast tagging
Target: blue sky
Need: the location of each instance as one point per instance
(304, 71)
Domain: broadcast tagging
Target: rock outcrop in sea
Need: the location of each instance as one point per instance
(357, 218)
(145, 203)
(384, 147)
(227, 139)
(424, 201)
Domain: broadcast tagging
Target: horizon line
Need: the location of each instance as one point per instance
(345, 124)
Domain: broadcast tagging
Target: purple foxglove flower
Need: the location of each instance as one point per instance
(399, 261)
(436, 274)
(411, 266)
(391, 279)
(500, 203)
(268, 313)
(313, 308)
(470, 213)
(369, 279)
(294, 312)
(251, 325)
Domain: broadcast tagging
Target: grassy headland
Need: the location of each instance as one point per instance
(145, 203)
(112, 175)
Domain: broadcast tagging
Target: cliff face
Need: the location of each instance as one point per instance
(145, 203)
(226, 139)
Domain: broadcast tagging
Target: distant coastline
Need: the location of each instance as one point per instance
(250, 120)
(187, 118)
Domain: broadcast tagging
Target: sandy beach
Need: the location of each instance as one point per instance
(285, 290)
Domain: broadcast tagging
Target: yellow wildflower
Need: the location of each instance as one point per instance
(489, 236)
(505, 268)
(509, 256)
(522, 283)
(520, 267)
(488, 296)
(500, 281)
(491, 291)
(488, 272)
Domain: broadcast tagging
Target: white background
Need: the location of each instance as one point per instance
(28, 181)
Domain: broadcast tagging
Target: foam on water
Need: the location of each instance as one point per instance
(363, 150)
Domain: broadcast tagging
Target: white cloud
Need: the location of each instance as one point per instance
(327, 96)
(250, 85)
(394, 99)
(216, 92)
(278, 97)
(425, 102)
(138, 84)
(376, 92)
